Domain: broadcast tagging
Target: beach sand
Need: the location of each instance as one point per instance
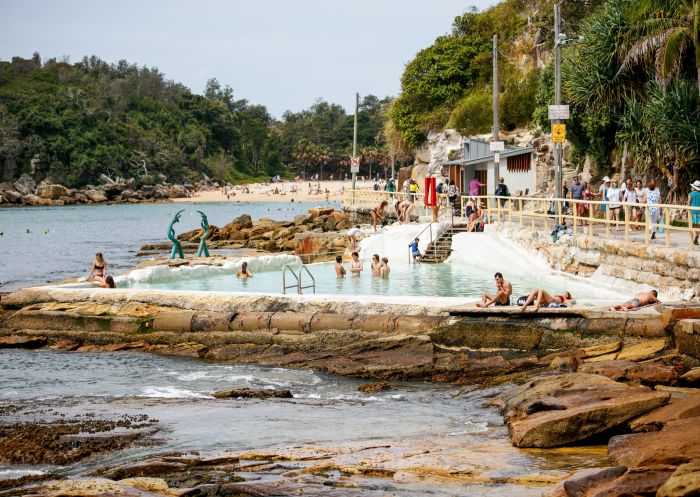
(265, 192)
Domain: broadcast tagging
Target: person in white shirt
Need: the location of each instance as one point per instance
(614, 205)
(352, 236)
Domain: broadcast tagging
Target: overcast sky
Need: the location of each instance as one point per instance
(280, 53)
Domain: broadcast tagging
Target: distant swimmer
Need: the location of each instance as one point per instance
(244, 272)
(107, 283)
(641, 299)
(98, 271)
(356, 265)
(503, 292)
(376, 265)
(542, 298)
(384, 268)
(339, 269)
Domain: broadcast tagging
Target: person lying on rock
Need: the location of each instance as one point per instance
(244, 272)
(543, 298)
(641, 299)
(503, 292)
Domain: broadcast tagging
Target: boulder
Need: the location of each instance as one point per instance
(95, 195)
(374, 387)
(619, 370)
(677, 443)
(643, 350)
(32, 199)
(251, 393)
(303, 219)
(53, 192)
(691, 378)
(113, 190)
(22, 342)
(25, 185)
(320, 211)
(177, 191)
(678, 408)
(578, 483)
(557, 410)
(634, 482)
(12, 197)
(684, 482)
(233, 228)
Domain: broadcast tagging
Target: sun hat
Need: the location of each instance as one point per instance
(696, 185)
(606, 180)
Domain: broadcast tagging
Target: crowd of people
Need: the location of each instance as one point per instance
(379, 266)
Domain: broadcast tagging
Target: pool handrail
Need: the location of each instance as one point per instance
(313, 280)
(298, 278)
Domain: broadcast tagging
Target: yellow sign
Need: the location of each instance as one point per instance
(558, 133)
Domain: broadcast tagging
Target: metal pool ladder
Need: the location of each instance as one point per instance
(297, 277)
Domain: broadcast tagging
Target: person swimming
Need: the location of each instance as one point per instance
(98, 271)
(244, 272)
(543, 298)
(339, 269)
(641, 299)
(356, 265)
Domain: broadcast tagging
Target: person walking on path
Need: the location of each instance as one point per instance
(503, 292)
(629, 196)
(576, 193)
(614, 206)
(652, 197)
(502, 191)
(603, 193)
(453, 194)
(694, 201)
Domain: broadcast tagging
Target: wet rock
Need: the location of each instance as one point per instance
(151, 467)
(682, 408)
(98, 487)
(691, 378)
(620, 370)
(11, 197)
(562, 409)
(374, 387)
(254, 393)
(22, 342)
(635, 481)
(598, 350)
(684, 482)
(65, 344)
(578, 483)
(32, 199)
(677, 443)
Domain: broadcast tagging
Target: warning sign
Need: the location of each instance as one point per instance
(354, 164)
(558, 133)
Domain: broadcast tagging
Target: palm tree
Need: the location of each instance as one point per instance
(662, 32)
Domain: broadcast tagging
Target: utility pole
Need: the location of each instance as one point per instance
(557, 96)
(354, 138)
(496, 130)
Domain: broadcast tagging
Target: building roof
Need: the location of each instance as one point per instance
(478, 151)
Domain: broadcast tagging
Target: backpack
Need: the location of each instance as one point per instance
(502, 191)
(452, 191)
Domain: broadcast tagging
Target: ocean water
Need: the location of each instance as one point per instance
(46, 244)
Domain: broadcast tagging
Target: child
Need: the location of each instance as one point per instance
(415, 253)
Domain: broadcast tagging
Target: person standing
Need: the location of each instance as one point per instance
(502, 191)
(339, 269)
(576, 193)
(390, 187)
(587, 195)
(415, 253)
(384, 268)
(603, 193)
(652, 197)
(376, 265)
(474, 186)
(629, 196)
(356, 265)
(244, 272)
(694, 201)
(413, 189)
(452, 194)
(615, 206)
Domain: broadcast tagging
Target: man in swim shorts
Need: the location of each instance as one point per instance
(641, 299)
(503, 292)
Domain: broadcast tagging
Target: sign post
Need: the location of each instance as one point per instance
(354, 165)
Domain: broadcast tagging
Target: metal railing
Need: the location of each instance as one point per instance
(298, 278)
(582, 216)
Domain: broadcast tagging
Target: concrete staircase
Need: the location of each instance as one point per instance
(441, 248)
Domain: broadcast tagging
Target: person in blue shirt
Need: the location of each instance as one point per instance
(415, 253)
(694, 201)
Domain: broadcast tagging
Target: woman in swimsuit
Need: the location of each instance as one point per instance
(356, 265)
(107, 283)
(98, 271)
(544, 298)
(378, 213)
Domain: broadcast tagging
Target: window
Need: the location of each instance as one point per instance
(518, 163)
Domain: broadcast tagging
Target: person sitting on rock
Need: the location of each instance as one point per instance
(641, 299)
(503, 291)
(543, 298)
(244, 272)
(98, 271)
(339, 269)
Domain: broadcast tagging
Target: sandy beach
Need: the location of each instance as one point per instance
(284, 191)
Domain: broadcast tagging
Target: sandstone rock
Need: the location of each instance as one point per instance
(32, 199)
(12, 197)
(619, 370)
(577, 484)
(251, 393)
(684, 482)
(686, 407)
(22, 342)
(301, 219)
(65, 344)
(177, 191)
(691, 378)
(634, 482)
(374, 387)
(677, 443)
(25, 185)
(52, 192)
(151, 467)
(598, 350)
(558, 410)
(95, 195)
(320, 211)
(643, 350)
(93, 487)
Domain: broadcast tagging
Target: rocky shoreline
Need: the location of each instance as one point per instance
(26, 192)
